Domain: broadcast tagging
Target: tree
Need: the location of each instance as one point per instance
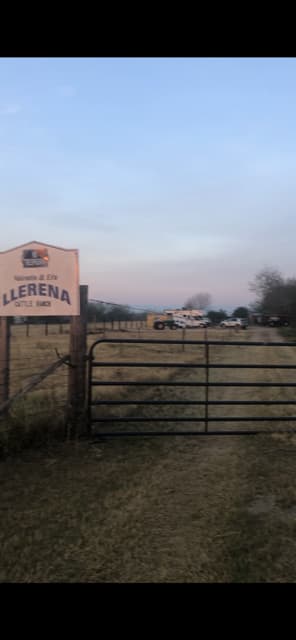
(198, 301)
(275, 295)
(217, 316)
(241, 312)
(266, 282)
(95, 311)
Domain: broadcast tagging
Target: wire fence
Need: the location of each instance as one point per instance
(33, 351)
(28, 329)
(33, 348)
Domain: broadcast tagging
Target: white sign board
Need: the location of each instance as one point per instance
(38, 279)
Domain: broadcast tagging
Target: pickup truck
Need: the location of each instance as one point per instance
(180, 323)
(170, 324)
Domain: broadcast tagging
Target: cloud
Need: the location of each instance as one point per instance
(10, 109)
(67, 91)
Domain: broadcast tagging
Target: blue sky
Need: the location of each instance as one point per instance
(172, 176)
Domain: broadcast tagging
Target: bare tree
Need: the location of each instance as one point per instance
(198, 301)
(265, 281)
(275, 294)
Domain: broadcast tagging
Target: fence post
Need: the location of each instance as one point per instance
(76, 420)
(183, 338)
(4, 358)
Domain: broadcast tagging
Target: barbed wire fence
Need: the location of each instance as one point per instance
(26, 328)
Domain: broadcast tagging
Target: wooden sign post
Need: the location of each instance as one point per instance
(4, 358)
(76, 422)
(38, 279)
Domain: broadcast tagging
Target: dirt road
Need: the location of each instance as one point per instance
(219, 509)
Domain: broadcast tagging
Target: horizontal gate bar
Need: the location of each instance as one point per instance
(98, 383)
(241, 343)
(193, 366)
(106, 434)
(196, 419)
(146, 364)
(189, 402)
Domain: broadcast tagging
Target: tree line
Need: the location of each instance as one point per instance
(96, 312)
(275, 294)
(100, 312)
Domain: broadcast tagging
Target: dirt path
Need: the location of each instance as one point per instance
(162, 510)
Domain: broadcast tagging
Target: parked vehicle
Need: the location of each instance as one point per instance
(175, 321)
(232, 322)
(193, 323)
(207, 321)
(245, 322)
(178, 319)
(266, 320)
(170, 323)
(278, 321)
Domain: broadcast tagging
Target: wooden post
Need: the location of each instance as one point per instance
(4, 358)
(77, 372)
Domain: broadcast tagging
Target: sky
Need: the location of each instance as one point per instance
(171, 176)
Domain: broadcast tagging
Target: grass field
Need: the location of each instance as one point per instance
(29, 355)
(155, 510)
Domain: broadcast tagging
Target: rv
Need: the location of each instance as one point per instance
(178, 319)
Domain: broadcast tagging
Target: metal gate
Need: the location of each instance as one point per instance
(207, 365)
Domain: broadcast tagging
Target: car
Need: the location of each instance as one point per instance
(171, 323)
(278, 321)
(232, 322)
(207, 322)
(266, 320)
(195, 323)
(199, 324)
(245, 322)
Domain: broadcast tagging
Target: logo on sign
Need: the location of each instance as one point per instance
(35, 258)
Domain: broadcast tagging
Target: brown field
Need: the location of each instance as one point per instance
(219, 509)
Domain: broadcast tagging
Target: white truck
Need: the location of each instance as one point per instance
(181, 319)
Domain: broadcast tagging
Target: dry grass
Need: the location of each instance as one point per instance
(162, 510)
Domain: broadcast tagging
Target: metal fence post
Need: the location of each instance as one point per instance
(76, 419)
